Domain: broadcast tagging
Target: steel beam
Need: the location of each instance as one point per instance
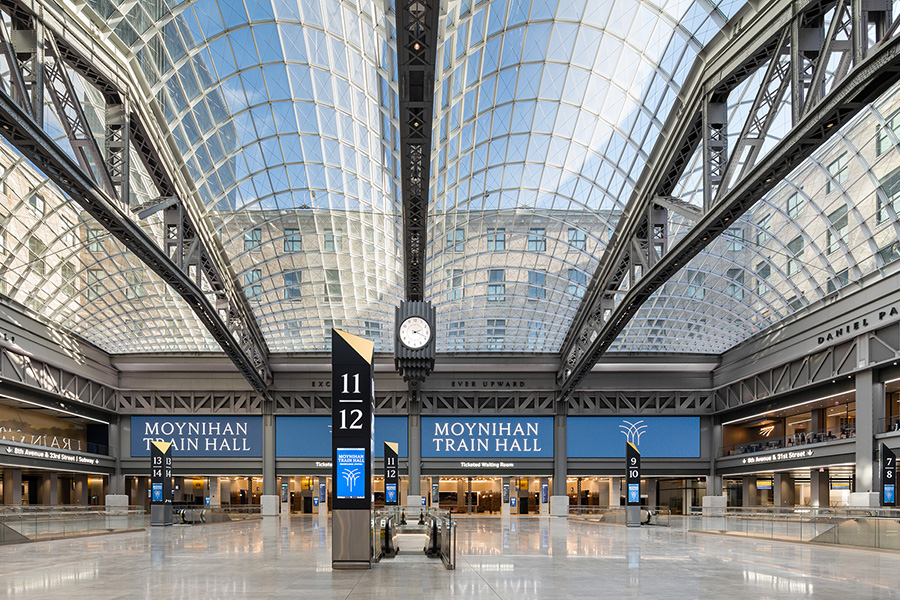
(30, 139)
(417, 24)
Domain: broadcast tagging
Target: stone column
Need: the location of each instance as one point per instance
(49, 492)
(81, 490)
(867, 391)
(819, 488)
(784, 489)
(12, 486)
(603, 493)
(652, 492)
(748, 491)
(615, 491)
(213, 485)
(414, 448)
(141, 498)
(116, 480)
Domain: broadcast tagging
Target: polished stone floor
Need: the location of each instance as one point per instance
(514, 558)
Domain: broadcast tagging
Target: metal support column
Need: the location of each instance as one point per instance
(414, 444)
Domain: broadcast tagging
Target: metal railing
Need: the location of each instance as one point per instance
(650, 515)
(25, 523)
(435, 525)
(888, 424)
(830, 434)
(215, 513)
(865, 527)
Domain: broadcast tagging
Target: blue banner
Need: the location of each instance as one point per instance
(390, 492)
(199, 436)
(654, 437)
(487, 437)
(310, 437)
(351, 473)
(889, 493)
(634, 493)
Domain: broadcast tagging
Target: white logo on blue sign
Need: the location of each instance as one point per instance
(633, 431)
(351, 476)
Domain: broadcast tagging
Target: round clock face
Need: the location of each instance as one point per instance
(415, 332)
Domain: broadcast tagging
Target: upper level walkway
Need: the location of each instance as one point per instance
(514, 558)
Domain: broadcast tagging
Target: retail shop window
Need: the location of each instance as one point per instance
(763, 272)
(456, 336)
(577, 283)
(735, 287)
(837, 171)
(333, 285)
(292, 281)
(496, 332)
(253, 282)
(536, 281)
(253, 240)
(496, 239)
(764, 229)
(886, 135)
(293, 241)
(837, 233)
(455, 283)
(841, 279)
(794, 205)
(496, 287)
(577, 239)
(456, 240)
(536, 240)
(36, 250)
(795, 255)
(695, 281)
(887, 198)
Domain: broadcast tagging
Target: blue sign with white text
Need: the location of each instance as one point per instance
(310, 437)
(487, 437)
(390, 492)
(157, 492)
(634, 492)
(889, 493)
(654, 437)
(199, 436)
(351, 473)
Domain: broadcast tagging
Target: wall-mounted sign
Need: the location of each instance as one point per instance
(764, 484)
(777, 457)
(486, 464)
(322, 491)
(310, 437)
(505, 493)
(199, 436)
(350, 474)
(545, 493)
(51, 455)
(486, 384)
(487, 437)
(871, 321)
(888, 476)
(843, 486)
(28, 427)
(654, 437)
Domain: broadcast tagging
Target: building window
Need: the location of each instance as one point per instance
(794, 205)
(67, 232)
(456, 337)
(329, 325)
(372, 329)
(841, 279)
(735, 287)
(837, 172)
(95, 239)
(735, 237)
(695, 287)
(536, 240)
(577, 283)
(455, 283)
(135, 279)
(536, 281)
(890, 253)
(253, 282)
(36, 202)
(496, 286)
(763, 233)
(36, 250)
(763, 271)
(67, 273)
(537, 335)
(496, 239)
(94, 287)
(456, 239)
(577, 239)
(293, 328)
(837, 233)
(334, 240)
(332, 285)
(885, 135)
(795, 255)
(252, 240)
(496, 332)
(292, 280)
(794, 303)
(293, 241)
(887, 198)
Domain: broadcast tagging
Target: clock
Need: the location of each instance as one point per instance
(414, 333)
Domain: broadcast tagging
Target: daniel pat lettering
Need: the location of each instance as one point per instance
(858, 325)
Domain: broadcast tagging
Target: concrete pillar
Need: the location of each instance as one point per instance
(748, 491)
(141, 497)
(615, 491)
(116, 480)
(687, 501)
(212, 484)
(270, 483)
(603, 492)
(652, 492)
(819, 488)
(867, 390)
(784, 489)
(81, 490)
(49, 492)
(12, 486)
(559, 452)
(460, 494)
(414, 446)
(714, 481)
